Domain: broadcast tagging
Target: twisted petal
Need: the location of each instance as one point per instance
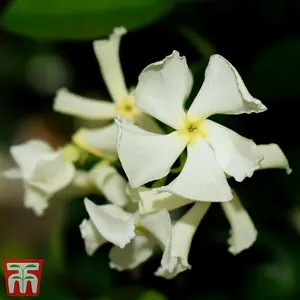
(112, 222)
(201, 178)
(243, 232)
(97, 141)
(92, 238)
(175, 258)
(150, 202)
(146, 156)
(135, 253)
(107, 53)
(237, 155)
(158, 224)
(35, 200)
(223, 92)
(273, 157)
(51, 173)
(110, 183)
(26, 155)
(162, 89)
(82, 107)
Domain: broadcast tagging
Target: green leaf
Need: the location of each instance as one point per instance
(133, 293)
(152, 295)
(79, 19)
(275, 72)
(29, 277)
(16, 277)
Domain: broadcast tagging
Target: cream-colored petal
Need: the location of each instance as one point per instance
(201, 178)
(150, 202)
(175, 258)
(273, 158)
(107, 53)
(107, 180)
(35, 200)
(162, 89)
(223, 92)
(92, 238)
(112, 222)
(158, 224)
(26, 155)
(190, 83)
(148, 123)
(51, 173)
(99, 141)
(146, 156)
(90, 109)
(243, 233)
(237, 155)
(135, 253)
(81, 179)
(12, 173)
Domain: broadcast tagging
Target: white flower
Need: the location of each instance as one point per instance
(43, 170)
(133, 235)
(175, 258)
(212, 149)
(242, 233)
(103, 141)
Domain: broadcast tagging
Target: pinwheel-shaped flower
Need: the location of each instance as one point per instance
(212, 149)
(43, 170)
(103, 141)
(242, 233)
(134, 236)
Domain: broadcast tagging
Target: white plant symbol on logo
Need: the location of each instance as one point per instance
(23, 277)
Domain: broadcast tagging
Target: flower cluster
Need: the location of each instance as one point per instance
(185, 159)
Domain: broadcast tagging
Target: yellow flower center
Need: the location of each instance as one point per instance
(127, 108)
(193, 129)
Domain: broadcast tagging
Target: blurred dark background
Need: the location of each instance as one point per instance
(261, 39)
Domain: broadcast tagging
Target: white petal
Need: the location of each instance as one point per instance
(97, 141)
(135, 253)
(110, 183)
(201, 178)
(150, 202)
(162, 89)
(146, 156)
(190, 83)
(158, 224)
(51, 173)
(114, 224)
(273, 157)
(237, 155)
(81, 179)
(92, 238)
(148, 123)
(175, 259)
(223, 92)
(13, 173)
(28, 154)
(243, 232)
(107, 53)
(35, 200)
(83, 107)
